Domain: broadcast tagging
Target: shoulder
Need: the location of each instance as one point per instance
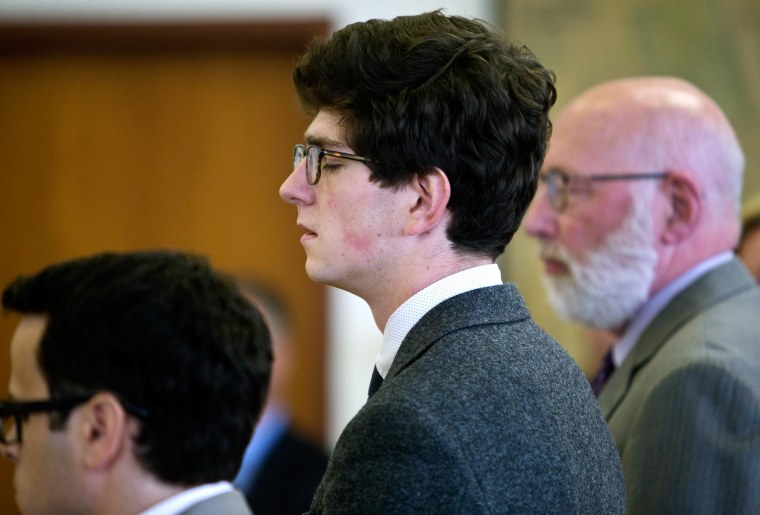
(393, 455)
(293, 457)
(229, 503)
(719, 382)
(697, 401)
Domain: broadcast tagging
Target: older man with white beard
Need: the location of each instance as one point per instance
(636, 217)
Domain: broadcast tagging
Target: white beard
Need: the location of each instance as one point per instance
(614, 280)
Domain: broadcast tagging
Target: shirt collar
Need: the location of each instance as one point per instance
(183, 500)
(414, 308)
(657, 303)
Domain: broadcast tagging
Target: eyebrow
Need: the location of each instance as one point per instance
(547, 169)
(324, 142)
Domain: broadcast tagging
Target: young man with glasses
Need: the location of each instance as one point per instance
(637, 217)
(423, 153)
(136, 380)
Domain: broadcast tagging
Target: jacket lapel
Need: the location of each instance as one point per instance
(724, 281)
(492, 305)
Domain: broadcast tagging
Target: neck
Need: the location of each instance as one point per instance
(411, 280)
(128, 498)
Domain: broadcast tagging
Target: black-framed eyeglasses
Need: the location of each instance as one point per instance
(559, 184)
(314, 155)
(13, 413)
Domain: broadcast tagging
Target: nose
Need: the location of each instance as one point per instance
(541, 218)
(295, 189)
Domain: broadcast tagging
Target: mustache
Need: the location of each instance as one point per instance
(554, 251)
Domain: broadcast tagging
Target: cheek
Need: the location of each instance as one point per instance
(47, 476)
(580, 239)
(359, 242)
(26, 476)
(360, 223)
(576, 237)
(589, 226)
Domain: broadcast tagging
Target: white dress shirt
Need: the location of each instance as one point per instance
(414, 308)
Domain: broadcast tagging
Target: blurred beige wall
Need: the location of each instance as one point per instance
(712, 43)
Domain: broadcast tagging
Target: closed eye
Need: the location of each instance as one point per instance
(331, 165)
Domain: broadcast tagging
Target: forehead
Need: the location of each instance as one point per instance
(326, 131)
(586, 142)
(26, 381)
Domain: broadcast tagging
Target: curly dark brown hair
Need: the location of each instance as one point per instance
(420, 92)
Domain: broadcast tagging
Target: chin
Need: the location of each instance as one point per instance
(328, 277)
(316, 273)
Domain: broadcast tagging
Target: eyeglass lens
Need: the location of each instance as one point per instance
(312, 155)
(8, 429)
(556, 187)
(298, 154)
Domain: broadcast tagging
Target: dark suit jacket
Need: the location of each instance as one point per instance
(684, 407)
(287, 479)
(481, 412)
(229, 503)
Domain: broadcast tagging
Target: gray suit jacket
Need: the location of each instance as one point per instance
(684, 407)
(229, 503)
(481, 412)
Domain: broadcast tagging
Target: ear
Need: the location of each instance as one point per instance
(104, 431)
(432, 191)
(684, 207)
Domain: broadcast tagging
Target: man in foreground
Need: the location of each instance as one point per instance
(136, 381)
(422, 156)
(637, 218)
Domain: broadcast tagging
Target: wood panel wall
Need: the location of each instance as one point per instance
(143, 136)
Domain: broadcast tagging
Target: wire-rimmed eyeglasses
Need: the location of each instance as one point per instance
(314, 156)
(13, 413)
(559, 184)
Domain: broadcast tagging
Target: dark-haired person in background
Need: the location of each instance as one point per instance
(281, 467)
(420, 161)
(136, 380)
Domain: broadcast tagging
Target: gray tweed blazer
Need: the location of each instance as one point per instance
(481, 412)
(684, 407)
